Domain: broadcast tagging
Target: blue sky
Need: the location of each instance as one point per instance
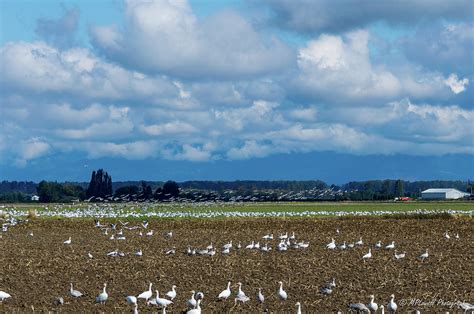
(159, 89)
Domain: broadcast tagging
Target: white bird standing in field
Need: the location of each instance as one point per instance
(103, 296)
(68, 241)
(343, 246)
(250, 246)
(282, 293)
(446, 235)
(240, 293)
(139, 253)
(196, 310)
(131, 299)
(75, 293)
(90, 255)
(298, 308)
(260, 297)
(331, 245)
(368, 255)
(378, 245)
(146, 294)
(372, 305)
(161, 301)
(172, 293)
(390, 246)
(399, 256)
(424, 255)
(4, 295)
(360, 242)
(392, 306)
(225, 293)
(192, 301)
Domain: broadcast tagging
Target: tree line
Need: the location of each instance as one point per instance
(101, 187)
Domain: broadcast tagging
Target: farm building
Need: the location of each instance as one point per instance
(442, 194)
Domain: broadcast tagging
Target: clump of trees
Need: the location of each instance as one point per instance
(53, 192)
(100, 184)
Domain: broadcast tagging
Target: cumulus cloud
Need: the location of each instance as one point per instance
(456, 85)
(334, 16)
(42, 69)
(30, 149)
(339, 69)
(163, 36)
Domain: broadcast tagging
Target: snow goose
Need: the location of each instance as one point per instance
(390, 246)
(239, 246)
(392, 306)
(169, 234)
(360, 242)
(161, 301)
(298, 308)
(378, 245)
(282, 293)
(68, 241)
(225, 293)
(424, 255)
(170, 251)
(399, 256)
(172, 293)
(268, 237)
(326, 290)
(149, 233)
(283, 236)
(146, 294)
(90, 255)
(446, 235)
(457, 236)
(240, 293)
(74, 293)
(103, 296)
(226, 250)
(228, 245)
(350, 245)
(210, 246)
(196, 310)
(359, 307)
(135, 309)
(343, 246)
(131, 299)
(139, 253)
(192, 301)
(292, 237)
(145, 224)
(372, 305)
(4, 295)
(260, 297)
(382, 309)
(368, 255)
(332, 283)
(331, 245)
(250, 246)
(256, 246)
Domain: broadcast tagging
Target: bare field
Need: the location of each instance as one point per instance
(37, 269)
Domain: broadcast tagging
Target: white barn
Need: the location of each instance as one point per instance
(442, 194)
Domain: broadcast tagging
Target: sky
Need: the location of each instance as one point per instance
(237, 89)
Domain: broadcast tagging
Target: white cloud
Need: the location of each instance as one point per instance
(175, 127)
(456, 85)
(30, 149)
(339, 69)
(164, 36)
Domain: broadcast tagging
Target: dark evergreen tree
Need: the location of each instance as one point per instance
(399, 188)
(100, 184)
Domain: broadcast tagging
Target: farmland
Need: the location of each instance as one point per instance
(37, 266)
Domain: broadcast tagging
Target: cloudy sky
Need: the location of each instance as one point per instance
(237, 89)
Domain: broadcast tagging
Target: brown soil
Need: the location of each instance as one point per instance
(35, 270)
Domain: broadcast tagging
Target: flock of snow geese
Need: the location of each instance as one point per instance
(285, 242)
